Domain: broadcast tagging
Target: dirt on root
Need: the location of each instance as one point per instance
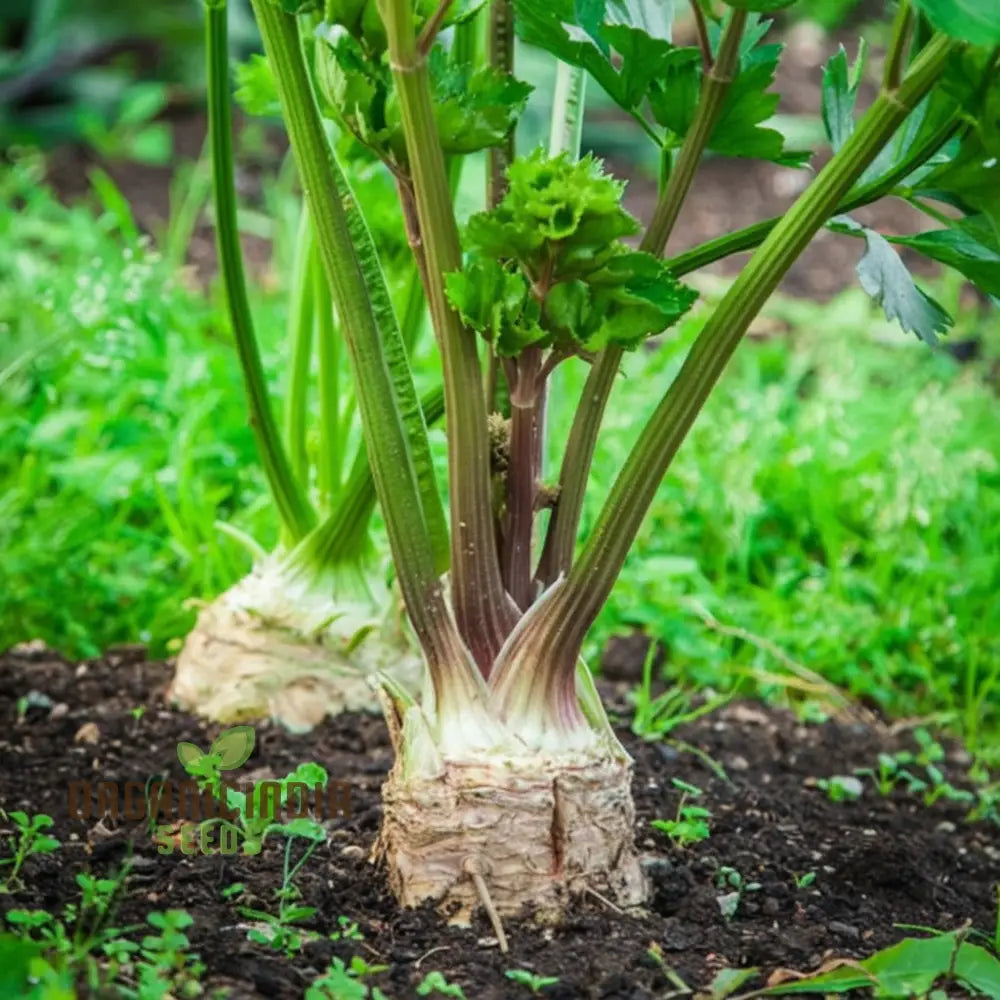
(877, 862)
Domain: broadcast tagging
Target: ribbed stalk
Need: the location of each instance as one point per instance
(331, 431)
(895, 58)
(566, 127)
(343, 536)
(294, 510)
(368, 324)
(753, 235)
(483, 609)
(560, 539)
(548, 642)
(526, 415)
(300, 333)
(500, 53)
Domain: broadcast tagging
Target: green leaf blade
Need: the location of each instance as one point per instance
(885, 278)
(976, 21)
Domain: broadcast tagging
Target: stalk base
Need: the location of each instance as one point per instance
(539, 832)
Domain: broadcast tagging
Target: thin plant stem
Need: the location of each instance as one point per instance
(522, 477)
(296, 514)
(343, 536)
(753, 235)
(560, 539)
(701, 28)
(714, 88)
(500, 54)
(331, 432)
(895, 58)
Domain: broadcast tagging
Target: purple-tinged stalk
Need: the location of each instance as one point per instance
(483, 610)
(395, 433)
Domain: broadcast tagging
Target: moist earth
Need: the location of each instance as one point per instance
(878, 862)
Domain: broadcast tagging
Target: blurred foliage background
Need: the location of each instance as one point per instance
(834, 517)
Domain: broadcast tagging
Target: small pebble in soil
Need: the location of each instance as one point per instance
(89, 732)
(843, 930)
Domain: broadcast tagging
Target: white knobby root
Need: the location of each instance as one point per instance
(267, 648)
(539, 831)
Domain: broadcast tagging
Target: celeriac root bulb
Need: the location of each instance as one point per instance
(539, 831)
(271, 648)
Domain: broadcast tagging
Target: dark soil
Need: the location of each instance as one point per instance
(877, 862)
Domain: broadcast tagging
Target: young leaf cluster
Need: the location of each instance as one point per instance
(548, 268)
(475, 107)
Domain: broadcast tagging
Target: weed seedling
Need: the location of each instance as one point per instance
(533, 982)
(690, 826)
(805, 881)
(70, 942)
(931, 967)
(280, 930)
(655, 953)
(657, 716)
(346, 982)
(987, 805)
(890, 772)
(434, 982)
(165, 966)
(29, 838)
(731, 880)
(938, 787)
(348, 931)
(840, 788)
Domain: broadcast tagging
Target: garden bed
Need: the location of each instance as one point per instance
(874, 863)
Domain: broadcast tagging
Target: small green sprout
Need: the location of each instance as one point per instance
(533, 982)
(345, 982)
(805, 881)
(434, 982)
(841, 788)
(348, 931)
(730, 879)
(29, 838)
(690, 826)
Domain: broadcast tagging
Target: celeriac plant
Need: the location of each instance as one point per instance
(509, 786)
